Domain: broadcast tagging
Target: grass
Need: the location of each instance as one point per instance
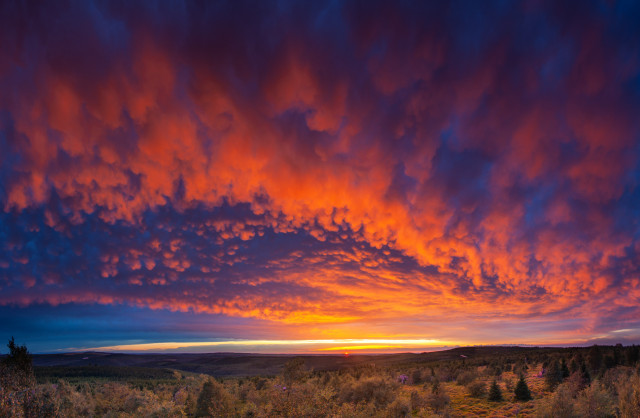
(327, 385)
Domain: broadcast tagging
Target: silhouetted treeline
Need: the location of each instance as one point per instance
(54, 373)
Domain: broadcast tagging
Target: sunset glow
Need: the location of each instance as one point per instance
(296, 346)
(319, 177)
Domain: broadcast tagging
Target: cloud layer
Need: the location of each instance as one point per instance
(329, 168)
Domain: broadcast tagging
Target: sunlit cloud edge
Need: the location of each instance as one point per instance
(265, 345)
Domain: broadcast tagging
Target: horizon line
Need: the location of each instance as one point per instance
(302, 347)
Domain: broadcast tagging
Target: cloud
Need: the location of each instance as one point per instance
(322, 165)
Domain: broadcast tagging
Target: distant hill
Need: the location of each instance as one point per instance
(240, 364)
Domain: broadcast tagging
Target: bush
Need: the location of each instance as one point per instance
(379, 390)
(293, 371)
(16, 370)
(416, 377)
(629, 396)
(558, 405)
(466, 378)
(417, 401)
(214, 401)
(508, 384)
(477, 389)
(438, 400)
(399, 408)
(576, 382)
(42, 402)
(595, 401)
(19, 358)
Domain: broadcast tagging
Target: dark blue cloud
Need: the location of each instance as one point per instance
(314, 164)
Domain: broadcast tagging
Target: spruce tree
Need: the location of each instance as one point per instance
(565, 369)
(495, 394)
(522, 391)
(553, 375)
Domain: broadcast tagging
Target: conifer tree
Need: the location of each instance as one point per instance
(495, 394)
(522, 391)
(564, 369)
(553, 375)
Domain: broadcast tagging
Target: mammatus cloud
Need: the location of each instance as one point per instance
(328, 166)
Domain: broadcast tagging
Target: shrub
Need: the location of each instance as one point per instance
(214, 401)
(259, 382)
(575, 383)
(72, 402)
(446, 374)
(558, 405)
(399, 408)
(435, 385)
(477, 389)
(439, 400)
(466, 378)
(416, 377)
(293, 371)
(249, 410)
(16, 370)
(19, 358)
(629, 396)
(417, 401)
(522, 391)
(371, 389)
(508, 384)
(42, 402)
(595, 401)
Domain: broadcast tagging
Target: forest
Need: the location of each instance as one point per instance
(596, 381)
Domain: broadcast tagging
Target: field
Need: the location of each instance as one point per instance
(598, 381)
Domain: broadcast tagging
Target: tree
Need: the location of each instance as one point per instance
(553, 375)
(495, 394)
(595, 359)
(214, 401)
(595, 401)
(522, 391)
(559, 405)
(633, 354)
(565, 370)
(586, 377)
(629, 396)
(19, 358)
(416, 377)
(293, 371)
(16, 369)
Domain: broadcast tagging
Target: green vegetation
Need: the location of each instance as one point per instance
(488, 381)
(522, 391)
(495, 394)
(51, 374)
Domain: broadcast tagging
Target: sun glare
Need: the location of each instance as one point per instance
(302, 346)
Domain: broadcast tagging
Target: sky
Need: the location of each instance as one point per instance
(326, 176)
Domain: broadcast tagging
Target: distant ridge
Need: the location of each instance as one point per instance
(243, 364)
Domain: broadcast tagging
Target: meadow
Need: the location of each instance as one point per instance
(597, 381)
